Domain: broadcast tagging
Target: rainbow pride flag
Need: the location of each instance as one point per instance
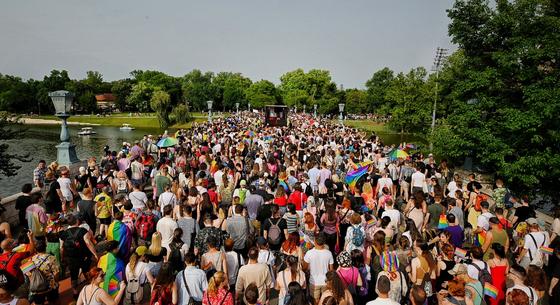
(442, 223)
(120, 232)
(27, 266)
(546, 250)
(352, 177)
(114, 273)
(371, 222)
(480, 238)
(389, 261)
(22, 248)
(462, 253)
(490, 290)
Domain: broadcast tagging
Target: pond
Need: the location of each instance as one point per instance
(40, 142)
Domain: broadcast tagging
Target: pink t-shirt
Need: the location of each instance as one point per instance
(349, 276)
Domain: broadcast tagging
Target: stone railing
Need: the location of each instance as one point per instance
(11, 214)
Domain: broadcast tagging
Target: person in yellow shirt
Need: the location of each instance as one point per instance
(103, 210)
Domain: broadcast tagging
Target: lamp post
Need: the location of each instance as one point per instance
(249, 104)
(237, 108)
(304, 109)
(441, 53)
(315, 110)
(209, 111)
(62, 101)
(340, 109)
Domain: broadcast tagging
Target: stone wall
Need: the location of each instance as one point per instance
(11, 214)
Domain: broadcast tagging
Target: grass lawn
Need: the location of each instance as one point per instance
(368, 126)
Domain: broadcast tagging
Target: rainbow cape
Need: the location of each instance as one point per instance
(480, 238)
(389, 261)
(120, 232)
(114, 271)
(352, 177)
(22, 248)
(490, 290)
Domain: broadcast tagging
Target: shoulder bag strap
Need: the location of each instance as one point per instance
(185, 282)
(535, 242)
(222, 302)
(238, 265)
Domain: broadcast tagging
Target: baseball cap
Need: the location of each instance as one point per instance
(141, 250)
(458, 269)
(532, 221)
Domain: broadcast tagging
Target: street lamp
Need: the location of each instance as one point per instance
(62, 101)
(304, 109)
(441, 54)
(315, 110)
(237, 108)
(340, 109)
(209, 111)
(249, 107)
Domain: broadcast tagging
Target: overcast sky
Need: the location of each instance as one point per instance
(260, 38)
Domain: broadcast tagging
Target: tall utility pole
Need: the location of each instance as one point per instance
(441, 54)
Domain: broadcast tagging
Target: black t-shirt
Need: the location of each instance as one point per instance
(53, 203)
(22, 202)
(73, 242)
(87, 212)
(524, 212)
(157, 258)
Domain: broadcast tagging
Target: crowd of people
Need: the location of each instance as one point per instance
(237, 212)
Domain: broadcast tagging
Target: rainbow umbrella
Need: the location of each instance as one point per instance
(167, 142)
(398, 154)
(249, 133)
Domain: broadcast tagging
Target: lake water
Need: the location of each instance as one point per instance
(40, 141)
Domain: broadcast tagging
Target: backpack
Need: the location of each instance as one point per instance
(308, 190)
(72, 244)
(175, 258)
(134, 293)
(242, 195)
(508, 204)
(479, 199)
(483, 274)
(357, 237)
(38, 283)
(274, 233)
(364, 289)
(146, 225)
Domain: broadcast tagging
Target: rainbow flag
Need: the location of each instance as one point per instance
(352, 177)
(27, 266)
(480, 238)
(120, 232)
(442, 223)
(490, 290)
(21, 248)
(462, 253)
(114, 271)
(371, 221)
(546, 250)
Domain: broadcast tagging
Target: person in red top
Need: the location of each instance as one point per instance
(281, 199)
(212, 193)
(11, 261)
(298, 198)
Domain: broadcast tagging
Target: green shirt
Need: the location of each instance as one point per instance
(161, 183)
(435, 210)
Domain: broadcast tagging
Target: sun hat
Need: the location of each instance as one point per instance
(458, 270)
(344, 259)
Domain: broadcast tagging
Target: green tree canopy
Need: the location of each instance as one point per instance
(262, 93)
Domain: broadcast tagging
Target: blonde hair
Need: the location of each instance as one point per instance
(367, 188)
(215, 282)
(155, 247)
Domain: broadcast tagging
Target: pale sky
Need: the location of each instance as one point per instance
(262, 39)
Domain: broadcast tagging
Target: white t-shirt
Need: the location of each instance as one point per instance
(472, 271)
(139, 270)
(452, 188)
(395, 216)
(384, 182)
(529, 244)
(166, 226)
(418, 179)
(138, 199)
(483, 220)
(65, 187)
(233, 261)
(218, 178)
(319, 261)
(380, 301)
(167, 198)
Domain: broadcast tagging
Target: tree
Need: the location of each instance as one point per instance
(180, 114)
(197, 89)
(298, 88)
(160, 103)
(356, 101)
(234, 91)
(262, 93)
(504, 108)
(121, 89)
(9, 131)
(410, 95)
(139, 96)
(377, 87)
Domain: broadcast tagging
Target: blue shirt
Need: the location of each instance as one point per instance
(196, 279)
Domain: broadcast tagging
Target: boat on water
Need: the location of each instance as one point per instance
(126, 127)
(86, 131)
